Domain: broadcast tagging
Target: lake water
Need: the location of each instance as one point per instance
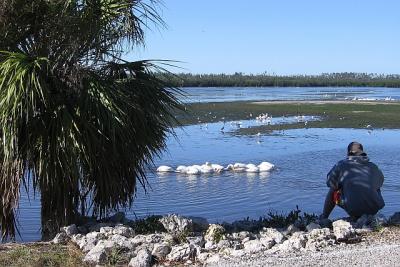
(302, 157)
(228, 94)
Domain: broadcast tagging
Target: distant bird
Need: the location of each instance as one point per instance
(222, 128)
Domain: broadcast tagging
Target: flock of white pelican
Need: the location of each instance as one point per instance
(216, 168)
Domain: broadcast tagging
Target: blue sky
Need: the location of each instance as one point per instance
(280, 36)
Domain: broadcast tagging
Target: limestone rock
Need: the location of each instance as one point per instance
(253, 246)
(161, 250)
(214, 232)
(142, 259)
(343, 230)
(224, 243)
(182, 253)
(70, 230)
(267, 242)
(291, 229)
(177, 225)
(202, 257)
(274, 234)
(99, 253)
(107, 231)
(213, 259)
(61, 238)
(124, 231)
(296, 242)
(320, 238)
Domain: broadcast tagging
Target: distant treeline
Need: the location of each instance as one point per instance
(345, 79)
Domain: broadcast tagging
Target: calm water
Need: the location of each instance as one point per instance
(227, 94)
(303, 157)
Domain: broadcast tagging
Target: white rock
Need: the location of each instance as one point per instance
(142, 259)
(124, 231)
(267, 242)
(214, 232)
(274, 234)
(98, 254)
(213, 259)
(138, 239)
(181, 253)
(202, 257)
(253, 246)
(107, 231)
(296, 242)
(161, 250)
(123, 241)
(176, 225)
(343, 230)
(61, 238)
(70, 230)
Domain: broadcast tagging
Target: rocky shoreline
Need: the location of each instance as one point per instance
(193, 241)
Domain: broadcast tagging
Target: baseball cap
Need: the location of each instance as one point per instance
(355, 149)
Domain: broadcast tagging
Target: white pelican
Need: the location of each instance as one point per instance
(164, 169)
(266, 166)
(252, 169)
(217, 168)
(206, 168)
(181, 169)
(192, 170)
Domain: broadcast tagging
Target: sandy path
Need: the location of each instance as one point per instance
(376, 249)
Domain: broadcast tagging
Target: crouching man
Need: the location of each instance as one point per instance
(354, 185)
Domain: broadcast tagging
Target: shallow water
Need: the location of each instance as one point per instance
(228, 94)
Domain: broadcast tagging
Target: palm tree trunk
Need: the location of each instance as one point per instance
(58, 208)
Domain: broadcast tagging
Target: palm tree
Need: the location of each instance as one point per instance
(77, 121)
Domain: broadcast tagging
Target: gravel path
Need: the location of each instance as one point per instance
(376, 249)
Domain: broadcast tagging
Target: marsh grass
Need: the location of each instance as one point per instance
(40, 254)
(334, 115)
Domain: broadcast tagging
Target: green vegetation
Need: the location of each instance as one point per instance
(77, 120)
(40, 255)
(345, 79)
(280, 220)
(335, 114)
(148, 225)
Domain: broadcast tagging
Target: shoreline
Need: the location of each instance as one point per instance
(192, 241)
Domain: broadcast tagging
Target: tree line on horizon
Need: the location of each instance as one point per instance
(238, 79)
